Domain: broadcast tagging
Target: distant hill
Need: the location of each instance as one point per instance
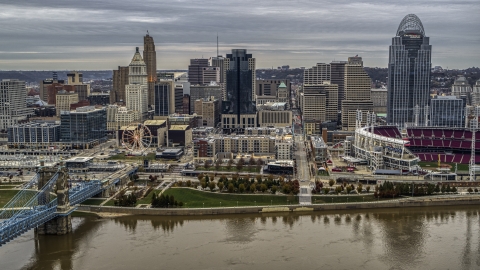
(36, 76)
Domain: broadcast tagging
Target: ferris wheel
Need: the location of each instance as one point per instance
(136, 138)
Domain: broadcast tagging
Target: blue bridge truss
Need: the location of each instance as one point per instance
(30, 208)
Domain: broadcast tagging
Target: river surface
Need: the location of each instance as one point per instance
(412, 238)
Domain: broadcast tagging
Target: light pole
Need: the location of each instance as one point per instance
(255, 203)
(203, 205)
(332, 200)
(220, 204)
(237, 203)
(271, 202)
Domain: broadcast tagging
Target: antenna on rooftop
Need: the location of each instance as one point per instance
(217, 45)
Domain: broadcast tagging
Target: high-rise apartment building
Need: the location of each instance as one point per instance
(218, 62)
(209, 109)
(178, 98)
(120, 81)
(330, 91)
(150, 59)
(137, 89)
(238, 107)
(13, 108)
(408, 73)
(195, 71)
(447, 111)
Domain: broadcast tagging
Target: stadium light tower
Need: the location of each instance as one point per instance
(473, 128)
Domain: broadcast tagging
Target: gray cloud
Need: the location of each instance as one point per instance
(52, 34)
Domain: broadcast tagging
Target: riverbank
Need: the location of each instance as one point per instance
(407, 202)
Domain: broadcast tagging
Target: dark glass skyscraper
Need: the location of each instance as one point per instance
(408, 73)
(240, 81)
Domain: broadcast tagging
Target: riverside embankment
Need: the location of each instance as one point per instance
(400, 203)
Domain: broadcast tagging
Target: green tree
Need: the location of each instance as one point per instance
(253, 188)
(240, 164)
(251, 161)
(200, 176)
(229, 164)
(359, 188)
(203, 184)
(274, 189)
(263, 188)
(326, 190)
(189, 183)
(231, 188)
(211, 185)
(331, 182)
(241, 188)
(437, 188)
(449, 189)
(206, 165)
(368, 188)
(207, 179)
(443, 189)
(454, 189)
(470, 190)
(217, 164)
(349, 188)
(220, 186)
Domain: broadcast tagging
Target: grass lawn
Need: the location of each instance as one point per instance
(343, 198)
(6, 196)
(148, 199)
(110, 203)
(7, 186)
(93, 201)
(197, 199)
(232, 169)
(149, 156)
(434, 165)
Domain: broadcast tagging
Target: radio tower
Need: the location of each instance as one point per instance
(473, 128)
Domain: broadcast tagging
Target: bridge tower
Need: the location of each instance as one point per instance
(62, 224)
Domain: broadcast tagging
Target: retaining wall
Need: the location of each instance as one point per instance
(474, 200)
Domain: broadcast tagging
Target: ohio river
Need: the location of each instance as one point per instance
(413, 238)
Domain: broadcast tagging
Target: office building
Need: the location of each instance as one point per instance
(45, 83)
(357, 92)
(111, 111)
(102, 99)
(195, 71)
(379, 100)
(209, 109)
(476, 94)
(408, 73)
(274, 115)
(178, 98)
(64, 100)
(150, 59)
(83, 128)
(210, 74)
(447, 111)
(164, 98)
(124, 117)
(270, 87)
(186, 104)
(75, 79)
(330, 99)
(218, 62)
(33, 135)
(13, 108)
(238, 107)
(120, 81)
(202, 91)
(461, 89)
(337, 76)
(137, 89)
(317, 74)
(179, 135)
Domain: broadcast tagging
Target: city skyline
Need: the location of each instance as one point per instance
(101, 36)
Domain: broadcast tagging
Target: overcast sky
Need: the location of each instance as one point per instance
(92, 35)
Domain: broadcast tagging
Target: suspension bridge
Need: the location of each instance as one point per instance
(46, 208)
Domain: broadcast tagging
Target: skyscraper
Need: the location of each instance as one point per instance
(408, 73)
(120, 80)
(150, 59)
(137, 89)
(238, 107)
(195, 71)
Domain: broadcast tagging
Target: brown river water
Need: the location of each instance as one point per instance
(411, 238)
